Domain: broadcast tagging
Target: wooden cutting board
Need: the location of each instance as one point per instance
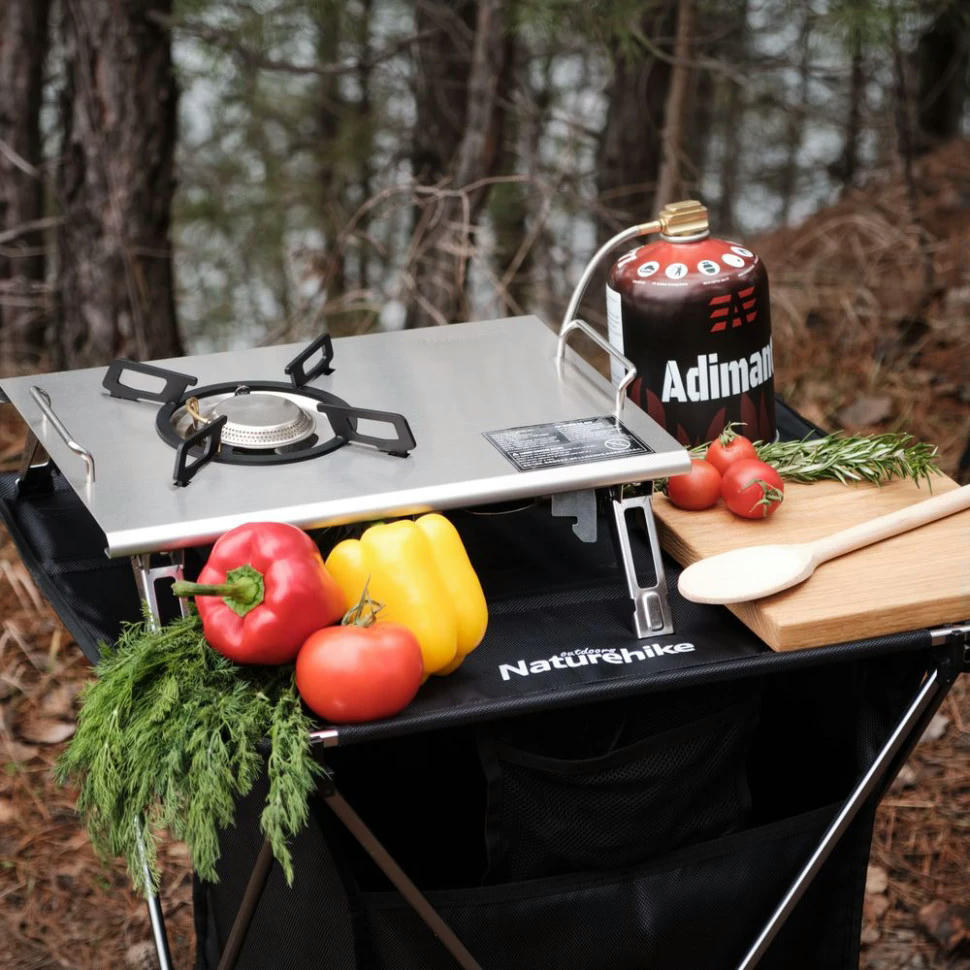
(919, 579)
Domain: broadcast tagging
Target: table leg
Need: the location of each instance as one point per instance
(244, 915)
(155, 915)
(926, 701)
(412, 895)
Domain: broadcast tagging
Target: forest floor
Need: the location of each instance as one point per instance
(871, 321)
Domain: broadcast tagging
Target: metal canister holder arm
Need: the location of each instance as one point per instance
(630, 371)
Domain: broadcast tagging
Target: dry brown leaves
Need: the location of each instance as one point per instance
(59, 905)
(871, 309)
(918, 887)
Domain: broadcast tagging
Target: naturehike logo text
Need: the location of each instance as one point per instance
(738, 307)
(712, 379)
(588, 657)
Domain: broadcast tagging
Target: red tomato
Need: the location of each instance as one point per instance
(348, 674)
(752, 489)
(729, 448)
(700, 488)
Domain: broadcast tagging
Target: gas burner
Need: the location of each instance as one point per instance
(257, 422)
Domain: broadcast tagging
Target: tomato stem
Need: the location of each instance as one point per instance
(729, 434)
(771, 495)
(364, 611)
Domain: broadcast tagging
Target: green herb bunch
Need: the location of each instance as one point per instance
(168, 737)
(851, 458)
(842, 457)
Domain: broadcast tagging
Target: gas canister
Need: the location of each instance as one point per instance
(691, 313)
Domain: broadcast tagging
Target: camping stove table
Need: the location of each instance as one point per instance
(170, 455)
(555, 604)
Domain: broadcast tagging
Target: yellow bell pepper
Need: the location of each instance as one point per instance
(420, 571)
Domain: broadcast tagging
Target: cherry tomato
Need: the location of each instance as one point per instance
(752, 489)
(348, 673)
(728, 448)
(700, 488)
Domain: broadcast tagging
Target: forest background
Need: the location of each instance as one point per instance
(180, 176)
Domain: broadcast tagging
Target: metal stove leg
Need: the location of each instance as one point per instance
(146, 576)
(930, 694)
(412, 895)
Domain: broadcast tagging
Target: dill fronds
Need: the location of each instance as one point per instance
(168, 739)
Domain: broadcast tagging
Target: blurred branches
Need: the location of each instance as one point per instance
(374, 163)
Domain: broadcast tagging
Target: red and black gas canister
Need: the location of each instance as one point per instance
(691, 312)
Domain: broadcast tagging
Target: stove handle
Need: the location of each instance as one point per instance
(43, 400)
(628, 365)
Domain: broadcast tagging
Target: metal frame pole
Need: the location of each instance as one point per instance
(926, 701)
(400, 880)
(146, 577)
(247, 908)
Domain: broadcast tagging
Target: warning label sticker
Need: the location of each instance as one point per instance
(566, 443)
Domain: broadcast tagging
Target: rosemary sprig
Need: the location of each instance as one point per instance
(851, 458)
(167, 739)
(841, 457)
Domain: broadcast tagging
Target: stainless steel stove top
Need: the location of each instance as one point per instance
(492, 416)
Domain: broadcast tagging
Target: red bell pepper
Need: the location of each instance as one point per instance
(263, 591)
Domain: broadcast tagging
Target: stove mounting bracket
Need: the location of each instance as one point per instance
(36, 468)
(651, 607)
(147, 577)
(580, 506)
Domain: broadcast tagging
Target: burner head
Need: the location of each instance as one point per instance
(256, 420)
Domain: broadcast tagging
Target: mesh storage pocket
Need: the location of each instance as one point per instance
(646, 792)
(682, 911)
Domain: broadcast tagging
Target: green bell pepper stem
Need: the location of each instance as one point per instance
(244, 591)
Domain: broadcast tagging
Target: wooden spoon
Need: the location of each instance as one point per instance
(750, 573)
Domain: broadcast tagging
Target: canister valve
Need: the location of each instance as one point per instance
(676, 220)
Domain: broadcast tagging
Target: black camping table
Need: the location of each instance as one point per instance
(573, 796)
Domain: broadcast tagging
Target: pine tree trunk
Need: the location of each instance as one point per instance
(115, 183)
(628, 155)
(671, 180)
(365, 173)
(788, 181)
(731, 123)
(853, 123)
(23, 300)
(442, 63)
(943, 63)
(445, 235)
(330, 27)
(515, 209)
